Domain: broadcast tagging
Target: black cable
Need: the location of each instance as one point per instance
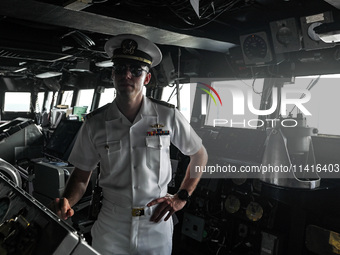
(309, 87)
(172, 93)
(253, 87)
(179, 16)
(211, 20)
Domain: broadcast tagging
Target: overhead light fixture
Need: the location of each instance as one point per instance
(20, 70)
(106, 63)
(48, 75)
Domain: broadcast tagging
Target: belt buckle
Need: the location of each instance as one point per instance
(136, 212)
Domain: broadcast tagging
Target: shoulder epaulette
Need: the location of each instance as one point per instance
(161, 102)
(96, 111)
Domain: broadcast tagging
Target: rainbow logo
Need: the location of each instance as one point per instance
(208, 92)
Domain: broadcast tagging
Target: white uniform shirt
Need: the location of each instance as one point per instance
(135, 167)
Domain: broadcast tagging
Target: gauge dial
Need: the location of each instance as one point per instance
(284, 36)
(255, 47)
(254, 211)
(232, 204)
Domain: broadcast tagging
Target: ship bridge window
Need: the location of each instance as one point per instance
(17, 101)
(85, 97)
(236, 103)
(67, 97)
(40, 102)
(228, 104)
(107, 97)
(323, 104)
(49, 104)
(170, 95)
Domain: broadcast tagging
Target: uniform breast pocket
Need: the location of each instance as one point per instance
(109, 147)
(157, 151)
(109, 152)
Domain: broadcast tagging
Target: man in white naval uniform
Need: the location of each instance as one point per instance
(130, 138)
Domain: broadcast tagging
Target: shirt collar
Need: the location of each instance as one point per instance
(112, 112)
(147, 109)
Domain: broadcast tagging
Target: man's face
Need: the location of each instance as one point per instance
(129, 79)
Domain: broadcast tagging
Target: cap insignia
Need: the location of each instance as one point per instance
(129, 46)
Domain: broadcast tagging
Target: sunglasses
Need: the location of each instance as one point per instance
(135, 70)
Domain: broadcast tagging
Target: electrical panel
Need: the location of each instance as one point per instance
(193, 226)
(285, 35)
(311, 40)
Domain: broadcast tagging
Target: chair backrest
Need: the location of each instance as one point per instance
(10, 172)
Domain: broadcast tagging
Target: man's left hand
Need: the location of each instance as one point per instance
(166, 205)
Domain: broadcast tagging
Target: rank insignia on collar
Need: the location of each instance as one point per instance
(157, 131)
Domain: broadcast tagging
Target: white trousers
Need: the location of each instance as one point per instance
(117, 232)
